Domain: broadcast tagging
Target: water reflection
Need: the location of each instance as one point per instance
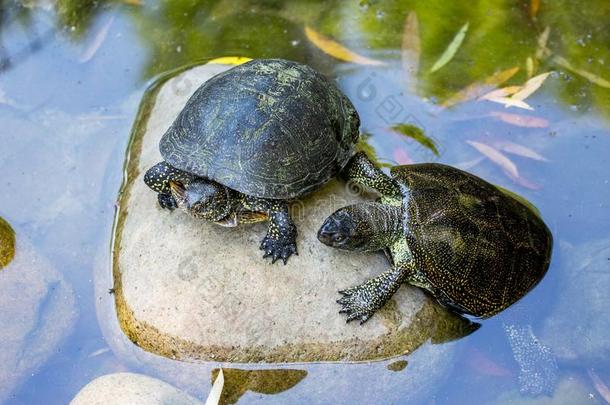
(178, 33)
(269, 382)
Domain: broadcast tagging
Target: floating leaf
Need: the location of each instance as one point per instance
(132, 2)
(497, 157)
(534, 7)
(523, 182)
(530, 86)
(214, 397)
(529, 67)
(411, 45)
(511, 102)
(520, 150)
(230, 60)
(451, 49)
(476, 89)
(97, 42)
(543, 51)
(593, 78)
(337, 50)
(483, 364)
(417, 134)
(520, 120)
(469, 164)
(99, 352)
(600, 386)
(503, 92)
(402, 157)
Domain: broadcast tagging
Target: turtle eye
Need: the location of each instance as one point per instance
(338, 237)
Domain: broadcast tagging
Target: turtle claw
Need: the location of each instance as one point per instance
(356, 304)
(362, 301)
(278, 249)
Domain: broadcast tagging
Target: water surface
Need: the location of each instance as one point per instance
(72, 75)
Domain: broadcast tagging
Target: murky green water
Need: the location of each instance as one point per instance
(72, 75)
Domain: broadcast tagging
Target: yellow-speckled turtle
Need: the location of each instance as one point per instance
(251, 138)
(476, 248)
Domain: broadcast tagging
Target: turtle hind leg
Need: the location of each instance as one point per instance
(362, 170)
(362, 301)
(158, 178)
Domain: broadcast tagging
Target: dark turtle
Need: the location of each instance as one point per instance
(476, 248)
(252, 138)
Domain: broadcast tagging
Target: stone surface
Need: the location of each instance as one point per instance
(37, 311)
(186, 288)
(578, 327)
(131, 389)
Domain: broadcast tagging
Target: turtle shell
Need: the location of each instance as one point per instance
(479, 248)
(269, 128)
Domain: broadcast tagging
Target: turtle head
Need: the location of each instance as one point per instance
(362, 227)
(202, 198)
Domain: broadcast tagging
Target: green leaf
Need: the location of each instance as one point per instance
(451, 49)
(364, 145)
(416, 133)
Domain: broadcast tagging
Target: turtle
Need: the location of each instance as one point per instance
(250, 140)
(476, 248)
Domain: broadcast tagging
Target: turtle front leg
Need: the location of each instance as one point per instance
(158, 178)
(280, 241)
(362, 301)
(362, 170)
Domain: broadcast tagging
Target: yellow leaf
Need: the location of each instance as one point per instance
(451, 49)
(593, 78)
(411, 45)
(230, 60)
(503, 92)
(476, 89)
(534, 7)
(511, 102)
(530, 86)
(216, 391)
(133, 2)
(337, 50)
(497, 157)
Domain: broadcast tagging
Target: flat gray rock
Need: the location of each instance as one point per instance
(37, 311)
(131, 389)
(188, 289)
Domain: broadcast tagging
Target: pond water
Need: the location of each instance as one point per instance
(72, 74)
